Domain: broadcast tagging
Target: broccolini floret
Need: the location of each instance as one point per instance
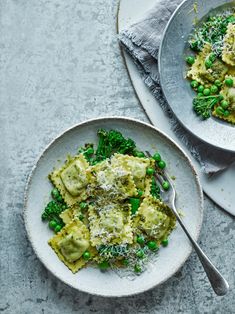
(111, 142)
(203, 105)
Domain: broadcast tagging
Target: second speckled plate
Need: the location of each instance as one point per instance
(172, 69)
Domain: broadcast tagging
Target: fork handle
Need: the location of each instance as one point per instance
(218, 283)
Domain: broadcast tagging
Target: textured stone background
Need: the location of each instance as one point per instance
(60, 64)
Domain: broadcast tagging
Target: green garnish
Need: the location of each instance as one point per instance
(203, 105)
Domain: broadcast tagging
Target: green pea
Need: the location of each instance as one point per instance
(208, 63)
(140, 239)
(212, 57)
(200, 88)
(200, 95)
(89, 151)
(104, 265)
(161, 164)
(226, 113)
(224, 104)
(219, 110)
(229, 82)
(81, 216)
(140, 253)
(52, 224)
(206, 92)
(137, 268)
(214, 89)
(125, 262)
(166, 185)
(57, 228)
(83, 205)
(152, 245)
(217, 83)
(194, 84)
(157, 157)
(165, 242)
(150, 171)
(55, 193)
(135, 203)
(190, 60)
(140, 154)
(86, 255)
(140, 193)
(221, 97)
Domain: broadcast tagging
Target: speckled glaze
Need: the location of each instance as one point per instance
(147, 138)
(172, 70)
(56, 71)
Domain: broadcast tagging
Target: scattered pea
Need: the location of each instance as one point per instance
(165, 242)
(86, 255)
(214, 89)
(217, 83)
(140, 239)
(166, 185)
(200, 88)
(104, 265)
(226, 113)
(83, 205)
(224, 104)
(208, 63)
(219, 110)
(221, 97)
(194, 84)
(125, 262)
(206, 92)
(149, 171)
(140, 253)
(137, 268)
(229, 82)
(152, 245)
(52, 224)
(161, 164)
(57, 228)
(200, 95)
(190, 60)
(157, 157)
(140, 154)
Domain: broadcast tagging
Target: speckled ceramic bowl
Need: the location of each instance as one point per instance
(189, 200)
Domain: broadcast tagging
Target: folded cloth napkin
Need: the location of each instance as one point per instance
(142, 40)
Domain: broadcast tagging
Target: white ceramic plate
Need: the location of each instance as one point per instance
(189, 200)
(220, 187)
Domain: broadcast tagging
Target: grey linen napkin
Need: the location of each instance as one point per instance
(142, 40)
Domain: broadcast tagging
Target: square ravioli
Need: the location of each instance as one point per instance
(204, 75)
(110, 223)
(70, 243)
(110, 181)
(75, 211)
(228, 53)
(136, 166)
(154, 218)
(72, 179)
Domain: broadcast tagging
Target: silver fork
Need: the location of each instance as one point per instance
(218, 283)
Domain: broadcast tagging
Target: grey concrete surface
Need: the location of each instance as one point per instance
(60, 64)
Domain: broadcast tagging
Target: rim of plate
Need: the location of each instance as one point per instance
(160, 78)
(127, 119)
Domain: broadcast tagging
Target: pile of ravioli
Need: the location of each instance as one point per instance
(107, 221)
(223, 68)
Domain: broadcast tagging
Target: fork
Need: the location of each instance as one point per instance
(218, 283)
